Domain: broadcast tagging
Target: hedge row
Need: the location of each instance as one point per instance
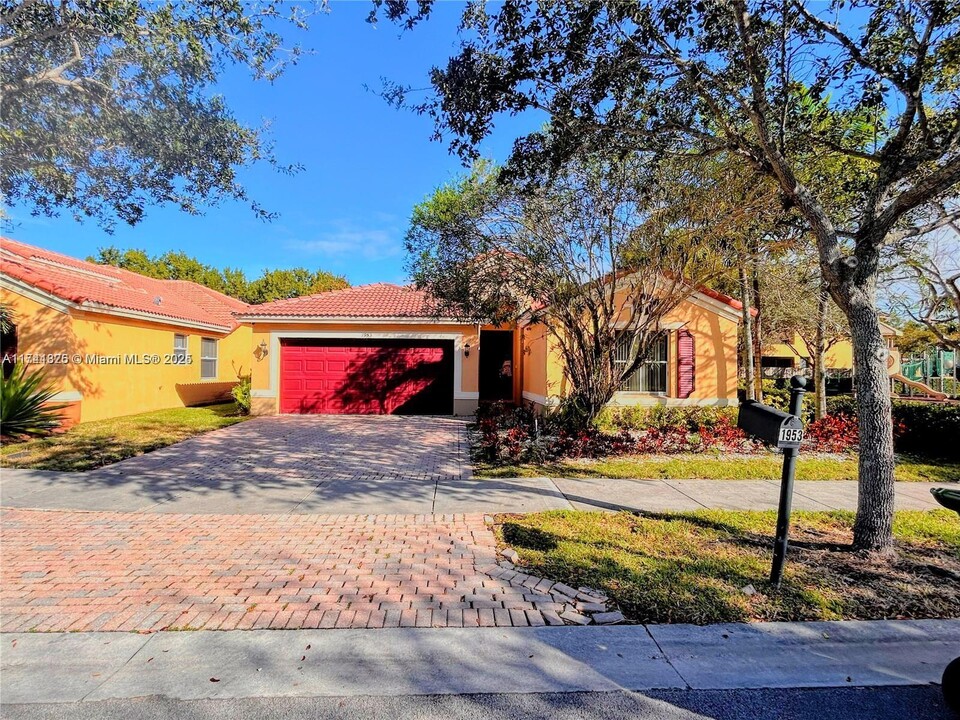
(927, 429)
(924, 429)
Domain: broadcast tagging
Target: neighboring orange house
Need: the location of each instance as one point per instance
(117, 343)
(377, 348)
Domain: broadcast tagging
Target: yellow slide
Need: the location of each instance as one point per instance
(925, 389)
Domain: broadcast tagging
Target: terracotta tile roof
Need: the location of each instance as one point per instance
(95, 286)
(379, 300)
(725, 299)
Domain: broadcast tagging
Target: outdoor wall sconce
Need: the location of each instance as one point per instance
(466, 350)
(261, 351)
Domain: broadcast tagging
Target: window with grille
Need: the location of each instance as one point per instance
(180, 347)
(651, 375)
(208, 359)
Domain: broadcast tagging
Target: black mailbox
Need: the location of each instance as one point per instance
(774, 427)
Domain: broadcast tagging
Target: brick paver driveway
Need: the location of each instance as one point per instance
(85, 571)
(291, 463)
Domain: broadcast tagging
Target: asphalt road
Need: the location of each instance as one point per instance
(878, 703)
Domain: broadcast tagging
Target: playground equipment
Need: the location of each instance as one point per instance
(923, 388)
(926, 372)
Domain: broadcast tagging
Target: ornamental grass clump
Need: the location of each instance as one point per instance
(26, 406)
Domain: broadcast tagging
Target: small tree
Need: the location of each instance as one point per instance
(584, 255)
(800, 305)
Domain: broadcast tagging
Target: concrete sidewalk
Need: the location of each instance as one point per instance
(375, 494)
(67, 668)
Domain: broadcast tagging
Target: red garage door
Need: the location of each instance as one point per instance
(382, 377)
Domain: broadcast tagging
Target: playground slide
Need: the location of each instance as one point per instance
(925, 389)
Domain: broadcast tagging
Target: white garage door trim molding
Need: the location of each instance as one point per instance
(275, 337)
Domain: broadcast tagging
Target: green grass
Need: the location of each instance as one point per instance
(691, 567)
(95, 444)
(680, 467)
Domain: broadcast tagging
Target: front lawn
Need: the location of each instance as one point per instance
(692, 567)
(743, 467)
(94, 444)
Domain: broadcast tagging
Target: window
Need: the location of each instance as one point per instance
(180, 348)
(208, 359)
(651, 375)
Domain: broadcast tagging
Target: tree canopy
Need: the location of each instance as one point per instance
(586, 257)
(108, 107)
(271, 285)
(871, 85)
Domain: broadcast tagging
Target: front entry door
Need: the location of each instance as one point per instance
(496, 365)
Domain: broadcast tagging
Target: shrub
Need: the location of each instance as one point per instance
(241, 393)
(835, 433)
(25, 404)
(926, 429)
(661, 417)
(780, 399)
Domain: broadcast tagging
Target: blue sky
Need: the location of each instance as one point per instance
(366, 164)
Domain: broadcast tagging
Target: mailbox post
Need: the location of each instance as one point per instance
(785, 431)
(797, 388)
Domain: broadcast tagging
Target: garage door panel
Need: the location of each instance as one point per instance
(367, 377)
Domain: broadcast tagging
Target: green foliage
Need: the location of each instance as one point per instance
(279, 284)
(25, 404)
(6, 318)
(661, 417)
(271, 285)
(928, 429)
(780, 399)
(110, 107)
(241, 394)
(489, 250)
(916, 339)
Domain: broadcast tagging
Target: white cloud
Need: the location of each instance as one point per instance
(345, 239)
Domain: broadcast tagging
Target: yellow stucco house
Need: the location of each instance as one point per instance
(121, 343)
(117, 343)
(786, 357)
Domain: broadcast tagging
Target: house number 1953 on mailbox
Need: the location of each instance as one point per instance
(790, 435)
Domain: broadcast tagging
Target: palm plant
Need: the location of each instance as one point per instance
(25, 407)
(6, 318)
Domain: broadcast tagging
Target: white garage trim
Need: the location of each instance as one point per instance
(457, 338)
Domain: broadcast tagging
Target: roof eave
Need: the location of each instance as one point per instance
(56, 302)
(365, 319)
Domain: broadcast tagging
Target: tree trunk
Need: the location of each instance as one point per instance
(757, 329)
(748, 362)
(873, 528)
(819, 355)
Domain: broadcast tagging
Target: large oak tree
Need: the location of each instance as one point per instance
(783, 84)
(109, 106)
